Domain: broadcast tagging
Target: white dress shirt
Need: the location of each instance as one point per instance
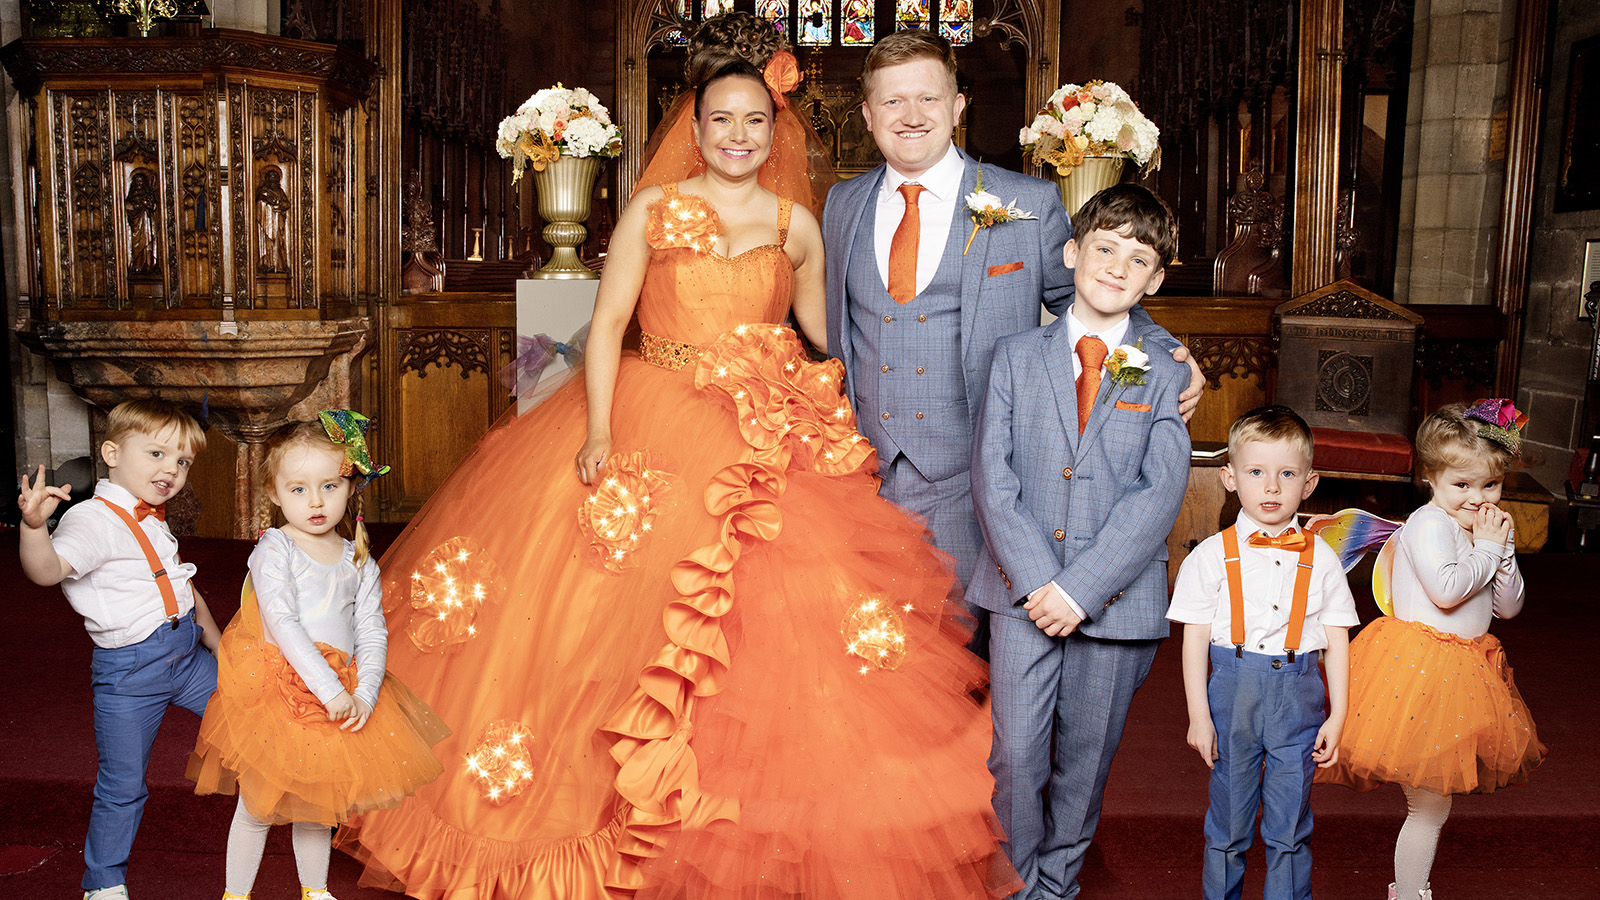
(1200, 596)
(937, 204)
(111, 585)
(1113, 337)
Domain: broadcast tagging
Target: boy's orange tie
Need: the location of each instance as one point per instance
(1092, 353)
(903, 247)
(1293, 541)
(142, 509)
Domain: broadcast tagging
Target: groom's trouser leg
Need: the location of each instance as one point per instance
(947, 505)
(1098, 681)
(1024, 673)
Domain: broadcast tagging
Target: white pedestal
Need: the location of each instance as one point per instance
(557, 308)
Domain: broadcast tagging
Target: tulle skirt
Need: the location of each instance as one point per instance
(265, 735)
(1432, 710)
(735, 670)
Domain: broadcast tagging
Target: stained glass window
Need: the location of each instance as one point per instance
(685, 11)
(775, 12)
(816, 22)
(716, 8)
(911, 13)
(955, 20)
(855, 24)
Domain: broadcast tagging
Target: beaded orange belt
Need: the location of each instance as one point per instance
(666, 352)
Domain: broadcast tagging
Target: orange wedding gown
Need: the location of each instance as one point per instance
(729, 671)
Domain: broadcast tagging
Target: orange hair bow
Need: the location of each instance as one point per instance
(781, 75)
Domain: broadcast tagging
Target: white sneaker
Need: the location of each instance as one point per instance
(118, 892)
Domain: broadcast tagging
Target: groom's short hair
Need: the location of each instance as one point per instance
(906, 46)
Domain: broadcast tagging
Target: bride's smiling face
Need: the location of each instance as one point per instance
(734, 125)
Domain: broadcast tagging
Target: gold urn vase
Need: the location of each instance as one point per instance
(565, 188)
(1093, 175)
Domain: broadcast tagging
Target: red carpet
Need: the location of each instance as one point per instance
(1537, 841)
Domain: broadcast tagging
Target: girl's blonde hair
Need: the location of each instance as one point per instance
(1449, 440)
(307, 434)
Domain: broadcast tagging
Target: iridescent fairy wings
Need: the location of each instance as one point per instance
(1352, 533)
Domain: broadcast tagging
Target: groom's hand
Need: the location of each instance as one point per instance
(1189, 400)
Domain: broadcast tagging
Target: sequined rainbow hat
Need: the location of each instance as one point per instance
(1499, 421)
(348, 427)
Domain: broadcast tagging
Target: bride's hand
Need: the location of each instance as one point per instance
(595, 451)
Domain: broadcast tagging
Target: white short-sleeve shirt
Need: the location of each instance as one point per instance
(111, 585)
(1200, 595)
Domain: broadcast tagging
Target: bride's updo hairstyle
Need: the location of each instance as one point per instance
(731, 67)
(735, 44)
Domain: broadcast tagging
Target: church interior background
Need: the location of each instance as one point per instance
(266, 208)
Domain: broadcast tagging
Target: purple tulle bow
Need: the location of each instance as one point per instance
(534, 353)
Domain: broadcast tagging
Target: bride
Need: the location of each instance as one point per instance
(708, 661)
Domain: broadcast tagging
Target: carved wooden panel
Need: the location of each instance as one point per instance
(83, 198)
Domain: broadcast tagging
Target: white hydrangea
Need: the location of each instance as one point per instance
(1103, 120)
(586, 137)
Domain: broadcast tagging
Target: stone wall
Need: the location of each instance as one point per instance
(1555, 343)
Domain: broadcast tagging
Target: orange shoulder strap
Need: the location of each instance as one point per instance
(169, 598)
(1297, 609)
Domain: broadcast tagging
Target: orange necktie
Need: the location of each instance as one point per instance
(142, 509)
(1293, 541)
(903, 248)
(1092, 353)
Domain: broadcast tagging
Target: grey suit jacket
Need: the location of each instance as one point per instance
(1090, 512)
(1009, 269)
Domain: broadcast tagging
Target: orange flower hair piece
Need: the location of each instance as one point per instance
(874, 631)
(782, 74)
(447, 589)
(617, 517)
(502, 763)
(683, 220)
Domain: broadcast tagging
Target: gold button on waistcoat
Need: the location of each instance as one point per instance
(884, 367)
(886, 415)
(888, 319)
(1067, 472)
(919, 370)
(919, 415)
(922, 318)
(1060, 535)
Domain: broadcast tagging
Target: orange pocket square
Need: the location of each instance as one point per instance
(1135, 407)
(1004, 268)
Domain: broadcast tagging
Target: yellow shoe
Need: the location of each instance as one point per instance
(315, 894)
(229, 895)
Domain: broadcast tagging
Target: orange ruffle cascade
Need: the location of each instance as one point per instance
(791, 413)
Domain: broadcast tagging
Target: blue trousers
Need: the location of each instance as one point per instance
(1266, 711)
(947, 505)
(133, 686)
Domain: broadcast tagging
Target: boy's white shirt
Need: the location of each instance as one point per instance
(1113, 338)
(110, 585)
(1200, 595)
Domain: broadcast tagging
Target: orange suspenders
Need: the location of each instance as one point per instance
(169, 598)
(1302, 589)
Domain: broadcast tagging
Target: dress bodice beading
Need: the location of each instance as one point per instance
(691, 293)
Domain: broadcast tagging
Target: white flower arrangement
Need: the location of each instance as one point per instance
(553, 122)
(988, 210)
(1128, 364)
(1094, 119)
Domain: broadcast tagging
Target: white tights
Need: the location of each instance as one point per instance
(247, 840)
(1419, 838)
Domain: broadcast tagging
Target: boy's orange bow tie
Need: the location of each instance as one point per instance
(142, 509)
(1293, 541)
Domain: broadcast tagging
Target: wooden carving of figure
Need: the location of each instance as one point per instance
(140, 205)
(272, 223)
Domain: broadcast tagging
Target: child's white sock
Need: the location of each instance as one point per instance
(247, 840)
(1419, 838)
(312, 843)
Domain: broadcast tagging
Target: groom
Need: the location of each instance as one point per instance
(913, 310)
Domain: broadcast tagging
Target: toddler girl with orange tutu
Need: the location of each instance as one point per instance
(304, 721)
(1433, 706)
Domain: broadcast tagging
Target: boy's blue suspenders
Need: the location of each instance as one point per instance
(1302, 589)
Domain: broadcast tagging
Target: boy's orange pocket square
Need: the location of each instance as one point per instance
(1004, 268)
(1136, 407)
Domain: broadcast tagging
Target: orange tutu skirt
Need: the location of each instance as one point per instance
(1432, 710)
(266, 735)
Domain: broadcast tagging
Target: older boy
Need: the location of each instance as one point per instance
(118, 565)
(1079, 466)
(1260, 602)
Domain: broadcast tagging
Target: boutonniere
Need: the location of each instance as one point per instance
(987, 210)
(1127, 364)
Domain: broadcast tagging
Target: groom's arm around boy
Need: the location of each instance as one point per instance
(1080, 463)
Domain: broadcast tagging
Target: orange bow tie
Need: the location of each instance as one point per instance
(142, 509)
(1293, 541)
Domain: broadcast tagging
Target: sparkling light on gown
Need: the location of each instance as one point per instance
(664, 662)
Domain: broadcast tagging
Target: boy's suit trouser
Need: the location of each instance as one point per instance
(1072, 692)
(1266, 711)
(133, 686)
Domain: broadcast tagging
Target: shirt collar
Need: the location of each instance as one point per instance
(1112, 336)
(943, 180)
(1248, 526)
(116, 493)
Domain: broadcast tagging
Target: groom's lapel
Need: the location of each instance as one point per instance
(855, 219)
(973, 267)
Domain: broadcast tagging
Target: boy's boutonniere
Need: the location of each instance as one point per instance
(987, 210)
(1127, 365)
